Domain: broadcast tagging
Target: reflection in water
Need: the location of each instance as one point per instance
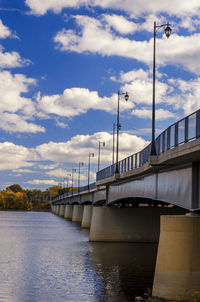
(126, 268)
(46, 258)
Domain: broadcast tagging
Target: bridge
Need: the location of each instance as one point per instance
(151, 199)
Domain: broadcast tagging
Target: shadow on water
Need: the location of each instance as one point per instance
(126, 269)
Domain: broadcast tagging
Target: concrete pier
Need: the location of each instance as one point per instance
(87, 216)
(57, 210)
(127, 224)
(68, 211)
(61, 210)
(77, 213)
(177, 273)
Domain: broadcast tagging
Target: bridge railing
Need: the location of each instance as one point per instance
(71, 193)
(187, 129)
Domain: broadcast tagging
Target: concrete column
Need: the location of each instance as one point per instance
(68, 211)
(62, 210)
(57, 209)
(127, 224)
(87, 216)
(77, 213)
(177, 273)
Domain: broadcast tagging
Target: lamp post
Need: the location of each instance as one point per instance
(113, 154)
(90, 155)
(167, 33)
(67, 178)
(126, 97)
(103, 145)
(73, 170)
(79, 173)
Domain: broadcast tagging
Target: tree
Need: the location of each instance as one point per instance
(15, 188)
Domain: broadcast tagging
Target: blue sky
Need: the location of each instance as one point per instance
(62, 63)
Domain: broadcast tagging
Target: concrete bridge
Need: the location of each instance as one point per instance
(129, 206)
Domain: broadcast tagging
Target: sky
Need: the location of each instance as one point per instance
(62, 63)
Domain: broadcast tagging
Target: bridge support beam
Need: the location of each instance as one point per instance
(127, 224)
(77, 213)
(61, 210)
(177, 272)
(68, 211)
(87, 216)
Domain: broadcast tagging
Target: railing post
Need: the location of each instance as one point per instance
(176, 134)
(186, 129)
(198, 123)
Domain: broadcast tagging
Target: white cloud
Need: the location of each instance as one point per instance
(4, 31)
(50, 182)
(76, 101)
(61, 173)
(136, 7)
(15, 109)
(161, 114)
(96, 37)
(11, 59)
(48, 167)
(78, 148)
(120, 24)
(14, 156)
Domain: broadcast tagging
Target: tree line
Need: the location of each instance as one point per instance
(15, 197)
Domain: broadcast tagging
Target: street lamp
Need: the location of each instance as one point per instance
(126, 97)
(113, 154)
(73, 170)
(79, 172)
(167, 33)
(67, 178)
(90, 155)
(103, 145)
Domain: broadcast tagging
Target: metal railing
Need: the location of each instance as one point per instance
(76, 191)
(181, 132)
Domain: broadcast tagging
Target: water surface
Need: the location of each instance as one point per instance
(44, 257)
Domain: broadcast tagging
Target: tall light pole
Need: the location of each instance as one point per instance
(67, 178)
(126, 97)
(90, 155)
(113, 153)
(167, 33)
(73, 170)
(103, 145)
(79, 173)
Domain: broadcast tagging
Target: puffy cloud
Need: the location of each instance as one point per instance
(50, 182)
(14, 156)
(161, 114)
(79, 146)
(11, 59)
(96, 37)
(136, 7)
(76, 101)
(4, 31)
(16, 109)
(120, 24)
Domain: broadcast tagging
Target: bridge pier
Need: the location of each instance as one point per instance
(57, 209)
(68, 211)
(61, 210)
(177, 273)
(77, 213)
(87, 216)
(128, 224)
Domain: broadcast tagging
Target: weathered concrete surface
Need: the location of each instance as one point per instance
(127, 224)
(61, 210)
(177, 272)
(57, 209)
(87, 216)
(68, 211)
(77, 213)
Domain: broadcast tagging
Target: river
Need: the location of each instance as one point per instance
(45, 258)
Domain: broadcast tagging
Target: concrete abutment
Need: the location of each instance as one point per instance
(87, 216)
(77, 213)
(177, 273)
(68, 211)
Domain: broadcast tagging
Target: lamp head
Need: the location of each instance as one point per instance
(126, 96)
(168, 31)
